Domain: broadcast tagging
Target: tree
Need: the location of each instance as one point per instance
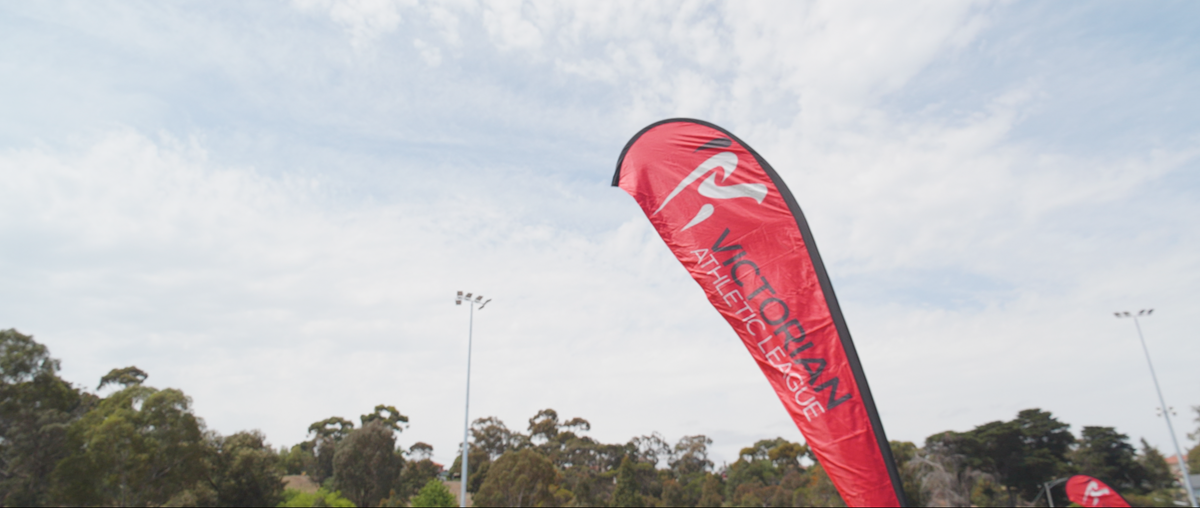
(139, 446)
(650, 449)
(414, 477)
(366, 463)
(1193, 459)
(1045, 442)
(493, 437)
(710, 493)
(904, 452)
(326, 435)
(243, 471)
(628, 492)
(820, 490)
(388, 416)
(760, 469)
(689, 467)
(520, 478)
(1158, 472)
(544, 425)
(434, 494)
(298, 459)
(420, 450)
(477, 461)
(1022, 453)
(36, 407)
(125, 377)
(1107, 455)
(768, 474)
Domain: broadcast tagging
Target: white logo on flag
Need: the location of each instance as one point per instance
(1093, 493)
(727, 162)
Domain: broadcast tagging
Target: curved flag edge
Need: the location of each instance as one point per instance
(835, 310)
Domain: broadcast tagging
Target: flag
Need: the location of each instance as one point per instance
(1086, 491)
(737, 229)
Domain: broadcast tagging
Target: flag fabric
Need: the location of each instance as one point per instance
(729, 218)
(1086, 491)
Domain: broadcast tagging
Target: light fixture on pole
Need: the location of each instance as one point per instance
(462, 498)
(1187, 481)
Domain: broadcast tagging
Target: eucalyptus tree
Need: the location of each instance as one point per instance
(36, 409)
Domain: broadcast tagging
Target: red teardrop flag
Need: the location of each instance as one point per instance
(734, 225)
(1084, 490)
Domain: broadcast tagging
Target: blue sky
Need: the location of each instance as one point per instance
(270, 205)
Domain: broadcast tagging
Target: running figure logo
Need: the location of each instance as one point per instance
(1093, 493)
(727, 162)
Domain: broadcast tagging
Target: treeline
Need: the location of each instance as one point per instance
(141, 446)
(554, 464)
(1005, 463)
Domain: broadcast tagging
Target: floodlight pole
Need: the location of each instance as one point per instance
(1187, 480)
(462, 498)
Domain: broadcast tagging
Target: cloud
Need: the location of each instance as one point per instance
(431, 54)
(252, 212)
(365, 20)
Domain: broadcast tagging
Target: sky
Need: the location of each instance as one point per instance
(270, 206)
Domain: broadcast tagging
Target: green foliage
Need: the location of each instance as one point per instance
(23, 359)
(519, 478)
(326, 435)
(1022, 453)
(758, 475)
(1193, 455)
(710, 493)
(628, 493)
(36, 408)
(388, 416)
(140, 446)
(1162, 497)
(493, 437)
(433, 495)
(820, 490)
(544, 425)
(298, 459)
(1158, 472)
(690, 456)
(904, 452)
(126, 377)
(1107, 455)
(420, 451)
(414, 476)
(478, 462)
(295, 499)
(366, 463)
(1193, 460)
(243, 471)
(334, 427)
(988, 493)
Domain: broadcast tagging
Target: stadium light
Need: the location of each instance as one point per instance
(1187, 481)
(458, 300)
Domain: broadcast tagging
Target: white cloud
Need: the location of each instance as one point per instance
(365, 20)
(285, 250)
(430, 54)
(508, 26)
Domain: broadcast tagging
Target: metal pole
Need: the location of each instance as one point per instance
(462, 499)
(1049, 497)
(1187, 483)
